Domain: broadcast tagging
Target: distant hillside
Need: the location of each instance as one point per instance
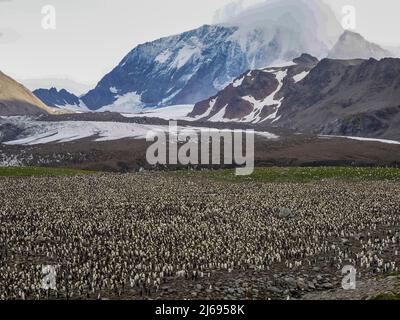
(60, 99)
(15, 99)
(76, 88)
(334, 97)
(346, 97)
(352, 45)
(254, 96)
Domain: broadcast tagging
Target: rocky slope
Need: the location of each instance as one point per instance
(380, 288)
(254, 96)
(59, 98)
(346, 97)
(15, 99)
(334, 97)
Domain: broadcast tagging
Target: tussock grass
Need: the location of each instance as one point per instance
(38, 171)
(305, 174)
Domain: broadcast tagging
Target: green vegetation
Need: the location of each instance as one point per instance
(303, 175)
(394, 295)
(35, 171)
(388, 296)
(275, 174)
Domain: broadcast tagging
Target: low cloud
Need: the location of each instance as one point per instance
(233, 10)
(8, 35)
(229, 11)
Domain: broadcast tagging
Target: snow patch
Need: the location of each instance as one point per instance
(170, 97)
(163, 56)
(76, 108)
(208, 111)
(280, 76)
(238, 82)
(129, 102)
(185, 55)
(300, 76)
(67, 131)
(258, 105)
(43, 132)
(178, 112)
(363, 139)
(279, 64)
(114, 90)
(220, 116)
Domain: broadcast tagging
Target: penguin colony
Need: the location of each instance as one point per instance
(136, 236)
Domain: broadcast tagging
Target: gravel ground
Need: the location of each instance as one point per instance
(154, 235)
(365, 290)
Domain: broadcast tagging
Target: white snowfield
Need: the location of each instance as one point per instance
(363, 139)
(41, 132)
(50, 132)
(178, 112)
(220, 116)
(128, 102)
(238, 82)
(74, 108)
(300, 76)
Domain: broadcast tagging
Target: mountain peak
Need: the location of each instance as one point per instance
(351, 34)
(305, 58)
(352, 45)
(15, 99)
(194, 65)
(58, 98)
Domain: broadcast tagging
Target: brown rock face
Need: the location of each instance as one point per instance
(347, 97)
(15, 99)
(333, 97)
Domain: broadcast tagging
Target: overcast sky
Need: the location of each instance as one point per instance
(92, 36)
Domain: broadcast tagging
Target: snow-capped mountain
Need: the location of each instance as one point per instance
(195, 65)
(173, 70)
(53, 97)
(72, 86)
(60, 99)
(291, 27)
(352, 45)
(256, 96)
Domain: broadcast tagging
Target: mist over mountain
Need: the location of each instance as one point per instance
(195, 65)
(214, 61)
(310, 25)
(352, 45)
(395, 50)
